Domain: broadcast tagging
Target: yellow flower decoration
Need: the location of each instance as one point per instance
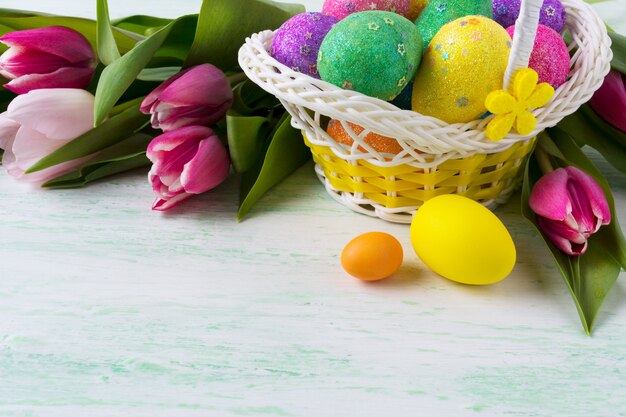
(512, 107)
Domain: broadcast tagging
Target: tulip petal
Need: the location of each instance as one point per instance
(170, 140)
(28, 147)
(593, 194)
(549, 197)
(208, 168)
(162, 204)
(201, 85)
(610, 100)
(59, 114)
(19, 61)
(171, 164)
(152, 98)
(8, 130)
(177, 117)
(69, 78)
(56, 40)
(558, 236)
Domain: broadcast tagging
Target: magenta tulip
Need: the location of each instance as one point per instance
(570, 207)
(199, 96)
(186, 161)
(50, 57)
(610, 100)
(39, 122)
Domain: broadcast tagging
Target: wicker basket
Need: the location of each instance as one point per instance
(436, 157)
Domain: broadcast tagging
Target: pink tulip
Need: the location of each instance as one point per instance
(570, 207)
(39, 122)
(610, 100)
(50, 57)
(186, 161)
(199, 95)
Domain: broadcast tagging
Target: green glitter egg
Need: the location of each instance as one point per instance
(374, 52)
(439, 12)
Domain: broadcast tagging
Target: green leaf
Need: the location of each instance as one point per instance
(140, 24)
(114, 130)
(250, 99)
(586, 127)
(157, 74)
(106, 46)
(21, 21)
(246, 136)
(285, 153)
(618, 46)
(591, 276)
(118, 76)
(223, 26)
(123, 156)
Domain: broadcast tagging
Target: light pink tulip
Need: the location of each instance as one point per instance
(610, 100)
(199, 96)
(50, 57)
(186, 161)
(39, 122)
(570, 207)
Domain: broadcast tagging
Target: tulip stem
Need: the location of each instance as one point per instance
(543, 159)
(236, 78)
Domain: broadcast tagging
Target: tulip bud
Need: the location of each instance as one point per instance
(199, 95)
(186, 161)
(610, 100)
(39, 122)
(50, 57)
(570, 207)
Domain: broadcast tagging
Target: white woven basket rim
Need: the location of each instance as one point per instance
(589, 65)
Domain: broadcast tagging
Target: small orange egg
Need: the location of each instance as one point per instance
(380, 143)
(372, 256)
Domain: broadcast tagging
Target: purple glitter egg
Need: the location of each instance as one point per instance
(297, 42)
(552, 14)
(550, 57)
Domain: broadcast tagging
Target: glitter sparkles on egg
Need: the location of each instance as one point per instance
(439, 12)
(550, 57)
(376, 53)
(552, 13)
(464, 62)
(380, 143)
(297, 42)
(343, 8)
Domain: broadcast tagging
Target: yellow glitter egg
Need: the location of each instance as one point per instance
(463, 63)
(416, 8)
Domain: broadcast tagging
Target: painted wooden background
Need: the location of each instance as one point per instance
(109, 309)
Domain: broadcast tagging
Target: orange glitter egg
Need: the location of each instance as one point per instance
(416, 8)
(380, 143)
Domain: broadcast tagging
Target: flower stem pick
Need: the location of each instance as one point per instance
(512, 108)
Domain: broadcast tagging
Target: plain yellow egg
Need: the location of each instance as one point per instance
(462, 240)
(372, 256)
(463, 63)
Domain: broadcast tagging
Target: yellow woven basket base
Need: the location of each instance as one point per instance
(481, 177)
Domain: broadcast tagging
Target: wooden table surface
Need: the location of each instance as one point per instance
(109, 309)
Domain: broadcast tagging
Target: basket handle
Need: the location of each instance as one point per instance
(523, 38)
